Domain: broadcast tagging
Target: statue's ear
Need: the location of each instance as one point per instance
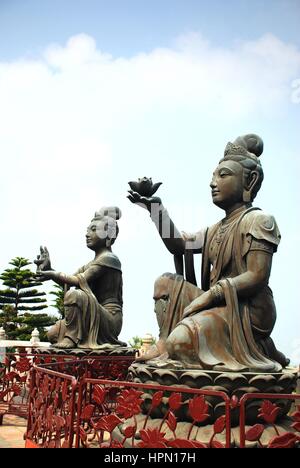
(249, 187)
(254, 177)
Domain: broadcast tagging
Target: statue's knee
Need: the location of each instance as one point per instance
(73, 300)
(178, 341)
(53, 332)
(57, 331)
(72, 297)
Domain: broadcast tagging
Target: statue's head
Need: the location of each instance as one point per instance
(239, 174)
(103, 229)
(165, 287)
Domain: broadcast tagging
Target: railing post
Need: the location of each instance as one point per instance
(2, 338)
(35, 337)
(2, 334)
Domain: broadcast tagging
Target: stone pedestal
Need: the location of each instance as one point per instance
(233, 384)
(113, 351)
(109, 363)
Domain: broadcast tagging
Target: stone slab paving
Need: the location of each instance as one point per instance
(12, 432)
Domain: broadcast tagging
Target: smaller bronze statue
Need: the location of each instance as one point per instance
(93, 307)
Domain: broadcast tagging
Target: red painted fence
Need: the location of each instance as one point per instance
(75, 409)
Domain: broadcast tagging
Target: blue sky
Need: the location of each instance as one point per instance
(125, 27)
(96, 93)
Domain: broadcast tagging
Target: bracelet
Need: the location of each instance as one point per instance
(217, 294)
(62, 277)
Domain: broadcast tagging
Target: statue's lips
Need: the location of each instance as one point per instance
(215, 192)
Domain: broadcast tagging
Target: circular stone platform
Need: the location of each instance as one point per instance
(82, 352)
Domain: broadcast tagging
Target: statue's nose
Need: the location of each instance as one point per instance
(213, 184)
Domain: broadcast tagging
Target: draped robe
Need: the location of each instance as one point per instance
(93, 312)
(231, 336)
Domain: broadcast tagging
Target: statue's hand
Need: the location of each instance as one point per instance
(43, 260)
(144, 202)
(202, 302)
(44, 275)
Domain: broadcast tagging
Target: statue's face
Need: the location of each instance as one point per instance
(96, 235)
(227, 184)
(161, 298)
(161, 288)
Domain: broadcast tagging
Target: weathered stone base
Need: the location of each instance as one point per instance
(107, 350)
(231, 383)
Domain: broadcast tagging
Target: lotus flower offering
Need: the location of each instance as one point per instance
(144, 186)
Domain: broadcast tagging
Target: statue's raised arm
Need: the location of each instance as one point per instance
(180, 244)
(142, 194)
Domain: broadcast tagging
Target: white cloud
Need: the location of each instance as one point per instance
(80, 49)
(77, 124)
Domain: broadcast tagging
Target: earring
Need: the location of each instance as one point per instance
(108, 242)
(246, 196)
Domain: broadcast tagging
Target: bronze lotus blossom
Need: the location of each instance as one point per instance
(144, 186)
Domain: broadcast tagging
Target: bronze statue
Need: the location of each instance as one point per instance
(93, 309)
(226, 325)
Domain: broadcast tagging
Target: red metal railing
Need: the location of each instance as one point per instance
(15, 374)
(268, 413)
(14, 382)
(141, 415)
(73, 404)
(52, 409)
(53, 396)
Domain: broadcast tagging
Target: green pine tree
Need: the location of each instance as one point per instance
(20, 300)
(59, 294)
(9, 320)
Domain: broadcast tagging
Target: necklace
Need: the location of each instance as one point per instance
(223, 228)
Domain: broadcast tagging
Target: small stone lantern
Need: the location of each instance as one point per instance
(35, 337)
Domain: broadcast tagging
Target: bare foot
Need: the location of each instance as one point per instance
(66, 343)
(154, 352)
(164, 362)
(95, 347)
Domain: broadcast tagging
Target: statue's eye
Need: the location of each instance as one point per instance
(224, 174)
(165, 297)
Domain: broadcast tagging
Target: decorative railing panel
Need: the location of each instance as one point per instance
(123, 414)
(52, 409)
(14, 383)
(73, 404)
(15, 373)
(271, 431)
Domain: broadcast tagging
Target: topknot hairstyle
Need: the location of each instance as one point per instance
(110, 215)
(246, 150)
